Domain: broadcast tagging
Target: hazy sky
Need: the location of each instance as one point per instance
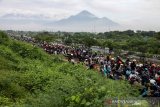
(139, 14)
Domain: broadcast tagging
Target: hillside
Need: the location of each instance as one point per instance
(30, 77)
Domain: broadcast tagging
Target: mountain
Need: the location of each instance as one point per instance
(84, 21)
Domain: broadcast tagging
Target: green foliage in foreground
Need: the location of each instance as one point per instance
(31, 78)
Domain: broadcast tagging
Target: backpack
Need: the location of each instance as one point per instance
(128, 72)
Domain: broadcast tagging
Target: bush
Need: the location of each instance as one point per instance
(28, 51)
(4, 39)
(10, 87)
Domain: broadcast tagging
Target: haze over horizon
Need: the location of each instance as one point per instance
(133, 14)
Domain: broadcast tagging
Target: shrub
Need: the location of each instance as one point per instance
(4, 39)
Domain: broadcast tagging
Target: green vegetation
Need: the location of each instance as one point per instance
(30, 77)
(147, 42)
(45, 36)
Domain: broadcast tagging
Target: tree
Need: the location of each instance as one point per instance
(88, 41)
(68, 41)
(158, 36)
(129, 32)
